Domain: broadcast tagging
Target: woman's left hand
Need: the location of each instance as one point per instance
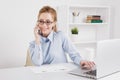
(87, 64)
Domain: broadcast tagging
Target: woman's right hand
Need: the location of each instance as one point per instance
(87, 64)
(36, 34)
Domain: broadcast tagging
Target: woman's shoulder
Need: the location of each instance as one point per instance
(32, 43)
(60, 34)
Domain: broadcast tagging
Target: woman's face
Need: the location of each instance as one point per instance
(45, 23)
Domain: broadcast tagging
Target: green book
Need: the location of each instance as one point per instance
(96, 21)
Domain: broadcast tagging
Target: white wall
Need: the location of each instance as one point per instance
(18, 18)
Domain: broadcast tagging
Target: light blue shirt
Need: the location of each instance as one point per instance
(53, 49)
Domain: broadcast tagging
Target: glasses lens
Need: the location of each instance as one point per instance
(41, 22)
(48, 22)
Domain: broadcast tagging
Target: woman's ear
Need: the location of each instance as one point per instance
(52, 27)
(54, 24)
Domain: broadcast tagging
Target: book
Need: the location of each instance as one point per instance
(94, 19)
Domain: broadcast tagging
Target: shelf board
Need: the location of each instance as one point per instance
(88, 7)
(88, 24)
(85, 42)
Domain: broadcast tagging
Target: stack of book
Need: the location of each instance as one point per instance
(94, 19)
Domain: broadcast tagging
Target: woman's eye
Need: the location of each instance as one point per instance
(48, 22)
(41, 21)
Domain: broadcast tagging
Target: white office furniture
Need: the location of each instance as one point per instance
(28, 73)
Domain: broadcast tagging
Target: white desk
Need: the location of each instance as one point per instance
(28, 73)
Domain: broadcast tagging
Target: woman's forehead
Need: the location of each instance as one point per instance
(46, 16)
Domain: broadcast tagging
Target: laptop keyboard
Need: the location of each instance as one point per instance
(92, 72)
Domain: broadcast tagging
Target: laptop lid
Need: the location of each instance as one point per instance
(108, 57)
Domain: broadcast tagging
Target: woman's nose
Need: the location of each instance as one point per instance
(44, 25)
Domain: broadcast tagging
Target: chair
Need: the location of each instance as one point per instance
(28, 59)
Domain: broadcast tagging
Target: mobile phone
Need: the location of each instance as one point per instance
(39, 32)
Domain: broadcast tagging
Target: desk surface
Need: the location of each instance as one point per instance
(28, 73)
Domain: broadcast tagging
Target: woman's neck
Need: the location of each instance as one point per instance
(46, 35)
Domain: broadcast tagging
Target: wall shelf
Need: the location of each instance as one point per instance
(88, 24)
(89, 33)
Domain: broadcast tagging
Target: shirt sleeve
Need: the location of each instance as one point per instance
(71, 50)
(36, 53)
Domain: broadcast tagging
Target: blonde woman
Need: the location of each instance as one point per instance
(50, 46)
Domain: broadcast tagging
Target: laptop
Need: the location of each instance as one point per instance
(107, 60)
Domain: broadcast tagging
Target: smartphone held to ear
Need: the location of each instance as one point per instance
(39, 32)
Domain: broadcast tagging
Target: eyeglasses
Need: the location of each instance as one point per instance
(47, 22)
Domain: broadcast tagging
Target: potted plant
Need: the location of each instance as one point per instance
(74, 32)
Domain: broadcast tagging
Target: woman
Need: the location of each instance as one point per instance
(50, 46)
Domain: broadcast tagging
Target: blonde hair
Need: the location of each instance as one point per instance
(49, 9)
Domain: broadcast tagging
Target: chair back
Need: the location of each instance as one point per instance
(28, 59)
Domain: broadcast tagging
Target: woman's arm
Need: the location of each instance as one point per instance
(75, 55)
(36, 53)
(71, 50)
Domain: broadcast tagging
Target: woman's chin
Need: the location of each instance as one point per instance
(45, 34)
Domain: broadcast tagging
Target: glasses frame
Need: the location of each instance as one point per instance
(44, 22)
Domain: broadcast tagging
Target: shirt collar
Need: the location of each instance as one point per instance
(49, 38)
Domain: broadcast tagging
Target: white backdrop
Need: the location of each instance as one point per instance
(18, 18)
